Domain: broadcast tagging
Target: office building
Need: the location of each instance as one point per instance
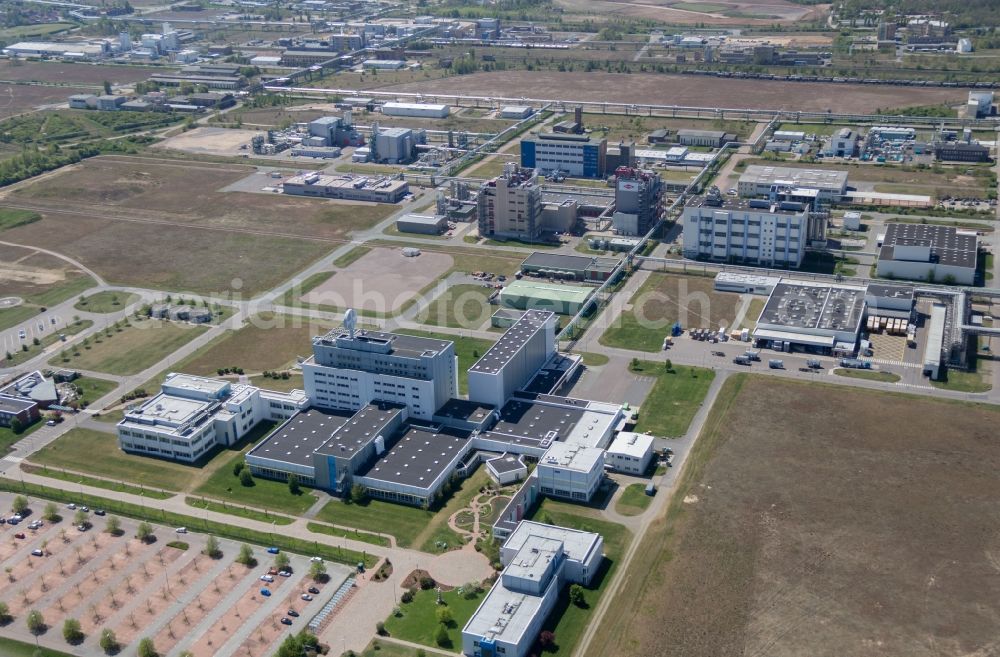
(351, 368)
(192, 415)
(630, 453)
(638, 200)
(813, 317)
(570, 154)
(513, 359)
(379, 189)
(922, 252)
(24, 411)
(762, 180)
(571, 471)
(749, 231)
(510, 205)
(540, 561)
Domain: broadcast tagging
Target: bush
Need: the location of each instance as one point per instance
(547, 640)
(212, 548)
(407, 597)
(427, 582)
(380, 628)
(109, 642)
(5, 617)
(444, 616)
(72, 632)
(576, 596)
(246, 479)
(238, 467)
(146, 648)
(441, 637)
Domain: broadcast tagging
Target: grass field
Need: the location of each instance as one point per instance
(617, 127)
(92, 388)
(133, 349)
(795, 529)
(14, 648)
(24, 355)
(106, 302)
(97, 453)
(12, 34)
(459, 306)
(753, 312)
(418, 622)
(96, 482)
(633, 500)
(960, 381)
(468, 351)
(675, 398)
(468, 260)
(869, 375)
(8, 437)
(40, 280)
(664, 299)
(403, 522)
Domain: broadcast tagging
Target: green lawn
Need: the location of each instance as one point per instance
(590, 359)
(18, 357)
(403, 522)
(468, 351)
(264, 494)
(351, 256)
(459, 306)
(418, 622)
(106, 302)
(675, 398)
(236, 510)
(131, 350)
(353, 534)
(12, 648)
(754, 310)
(870, 375)
(8, 437)
(633, 500)
(97, 453)
(96, 482)
(437, 535)
(92, 389)
(959, 381)
(664, 299)
(568, 621)
(11, 218)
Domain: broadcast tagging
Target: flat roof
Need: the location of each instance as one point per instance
(786, 208)
(504, 614)
(401, 344)
(300, 436)
(543, 260)
(420, 106)
(506, 463)
(687, 132)
(419, 457)
(512, 341)
(347, 181)
(423, 219)
(464, 409)
(544, 290)
(577, 544)
(14, 405)
(196, 383)
(168, 409)
(534, 559)
(572, 456)
(746, 279)
(394, 132)
(883, 291)
(537, 421)
(821, 178)
(814, 306)
(631, 444)
(369, 423)
(948, 245)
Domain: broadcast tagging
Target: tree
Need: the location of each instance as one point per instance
(358, 493)
(107, 87)
(444, 616)
(441, 636)
(15, 423)
(246, 556)
(246, 479)
(113, 526)
(281, 561)
(212, 548)
(317, 570)
(109, 642)
(380, 628)
(634, 365)
(669, 366)
(293, 484)
(576, 595)
(144, 532)
(5, 617)
(20, 505)
(35, 622)
(81, 517)
(51, 512)
(146, 648)
(72, 631)
(239, 465)
(547, 640)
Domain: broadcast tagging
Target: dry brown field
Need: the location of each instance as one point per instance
(711, 12)
(687, 90)
(69, 72)
(21, 98)
(821, 520)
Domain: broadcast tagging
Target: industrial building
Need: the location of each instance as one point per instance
(347, 186)
(749, 231)
(813, 317)
(959, 151)
(590, 269)
(638, 200)
(935, 341)
(895, 301)
(393, 145)
(193, 415)
(420, 110)
(571, 471)
(333, 131)
(745, 283)
(843, 143)
(70, 50)
(711, 138)
(923, 252)
(351, 368)
(559, 298)
(513, 359)
(980, 104)
(540, 561)
(761, 180)
(384, 64)
(510, 205)
(423, 224)
(571, 154)
(516, 112)
(630, 453)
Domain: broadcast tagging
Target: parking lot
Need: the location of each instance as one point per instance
(165, 589)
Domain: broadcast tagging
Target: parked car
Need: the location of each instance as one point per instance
(85, 509)
(317, 559)
(284, 573)
(313, 590)
(286, 621)
(98, 512)
(19, 535)
(181, 530)
(293, 613)
(37, 553)
(50, 423)
(71, 506)
(266, 578)
(266, 593)
(307, 597)
(273, 550)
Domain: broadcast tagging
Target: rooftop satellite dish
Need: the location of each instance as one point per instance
(350, 321)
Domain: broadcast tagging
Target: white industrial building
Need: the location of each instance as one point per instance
(750, 231)
(514, 359)
(842, 143)
(572, 155)
(813, 317)
(516, 112)
(980, 104)
(630, 453)
(895, 301)
(924, 252)
(192, 415)
(745, 283)
(507, 469)
(423, 224)
(761, 180)
(571, 471)
(378, 189)
(540, 560)
(393, 145)
(935, 341)
(421, 110)
(68, 50)
(351, 368)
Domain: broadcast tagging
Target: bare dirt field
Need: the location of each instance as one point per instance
(69, 73)
(199, 239)
(20, 98)
(382, 280)
(713, 12)
(822, 520)
(688, 90)
(209, 141)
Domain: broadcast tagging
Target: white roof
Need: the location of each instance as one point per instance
(195, 383)
(577, 545)
(577, 458)
(632, 444)
(798, 338)
(420, 106)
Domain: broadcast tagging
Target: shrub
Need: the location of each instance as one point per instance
(427, 582)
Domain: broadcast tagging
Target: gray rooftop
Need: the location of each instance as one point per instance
(537, 421)
(402, 344)
(361, 429)
(513, 339)
(881, 291)
(747, 204)
(799, 177)
(301, 435)
(418, 457)
(506, 463)
(543, 260)
(822, 307)
(948, 245)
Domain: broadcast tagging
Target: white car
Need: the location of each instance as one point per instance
(71, 506)
(317, 559)
(181, 530)
(307, 597)
(284, 573)
(266, 578)
(21, 334)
